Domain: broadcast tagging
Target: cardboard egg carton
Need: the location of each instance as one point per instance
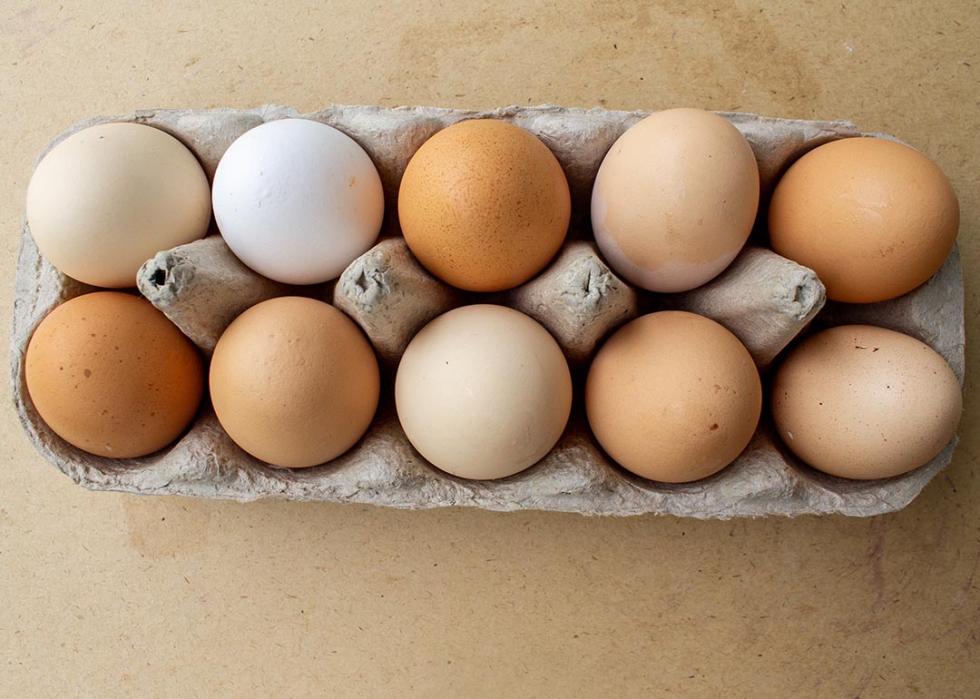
(763, 298)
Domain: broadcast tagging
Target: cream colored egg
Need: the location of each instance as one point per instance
(483, 392)
(863, 402)
(109, 197)
(675, 199)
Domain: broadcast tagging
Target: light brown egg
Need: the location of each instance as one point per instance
(294, 382)
(675, 199)
(859, 401)
(873, 218)
(484, 205)
(673, 397)
(109, 197)
(483, 392)
(111, 375)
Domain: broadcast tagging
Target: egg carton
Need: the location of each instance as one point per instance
(764, 299)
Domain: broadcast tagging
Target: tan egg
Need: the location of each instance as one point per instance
(859, 401)
(675, 199)
(484, 205)
(111, 375)
(483, 392)
(673, 397)
(109, 197)
(873, 218)
(294, 382)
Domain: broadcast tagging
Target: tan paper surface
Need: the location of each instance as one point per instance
(112, 595)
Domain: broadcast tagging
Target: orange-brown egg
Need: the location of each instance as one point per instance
(484, 205)
(294, 382)
(673, 396)
(873, 218)
(859, 401)
(111, 375)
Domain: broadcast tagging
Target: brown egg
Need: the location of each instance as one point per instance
(111, 375)
(484, 205)
(294, 382)
(873, 218)
(673, 396)
(858, 401)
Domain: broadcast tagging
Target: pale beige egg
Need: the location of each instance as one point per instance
(109, 197)
(675, 199)
(483, 392)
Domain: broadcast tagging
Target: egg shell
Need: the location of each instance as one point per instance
(484, 205)
(297, 200)
(675, 199)
(673, 397)
(863, 402)
(483, 392)
(873, 218)
(294, 382)
(109, 197)
(112, 376)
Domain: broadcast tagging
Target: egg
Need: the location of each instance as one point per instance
(862, 402)
(111, 375)
(675, 199)
(484, 205)
(673, 397)
(294, 382)
(873, 218)
(107, 198)
(297, 200)
(483, 392)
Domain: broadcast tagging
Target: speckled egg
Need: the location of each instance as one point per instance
(484, 205)
(673, 396)
(863, 402)
(111, 375)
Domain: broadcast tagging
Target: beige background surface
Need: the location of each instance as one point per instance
(115, 595)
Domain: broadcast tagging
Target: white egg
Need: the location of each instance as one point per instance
(297, 200)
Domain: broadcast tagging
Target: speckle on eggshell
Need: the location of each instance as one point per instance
(862, 414)
(115, 406)
(484, 205)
